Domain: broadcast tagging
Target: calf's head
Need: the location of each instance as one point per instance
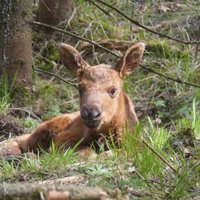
(100, 86)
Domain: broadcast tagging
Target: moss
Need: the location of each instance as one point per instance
(42, 64)
(165, 50)
(27, 12)
(44, 98)
(35, 36)
(51, 52)
(35, 8)
(45, 91)
(21, 96)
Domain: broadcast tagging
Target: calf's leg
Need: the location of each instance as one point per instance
(40, 138)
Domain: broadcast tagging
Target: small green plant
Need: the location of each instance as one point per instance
(7, 170)
(143, 158)
(39, 166)
(181, 184)
(196, 120)
(192, 122)
(4, 105)
(56, 159)
(30, 123)
(4, 96)
(132, 142)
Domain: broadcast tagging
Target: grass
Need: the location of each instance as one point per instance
(133, 167)
(4, 105)
(169, 112)
(35, 167)
(4, 96)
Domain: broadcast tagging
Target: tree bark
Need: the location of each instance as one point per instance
(54, 192)
(15, 41)
(53, 12)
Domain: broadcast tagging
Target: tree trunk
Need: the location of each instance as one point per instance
(15, 42)
(53, 12)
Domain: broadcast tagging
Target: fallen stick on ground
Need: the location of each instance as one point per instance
(36, 191)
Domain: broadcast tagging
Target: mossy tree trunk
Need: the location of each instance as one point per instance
(15, 42)
(53, 12)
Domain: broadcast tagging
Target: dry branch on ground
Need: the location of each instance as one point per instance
(55, 192)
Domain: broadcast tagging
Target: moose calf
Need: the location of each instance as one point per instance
(104, 108)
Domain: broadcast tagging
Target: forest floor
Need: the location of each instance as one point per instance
(168, 167)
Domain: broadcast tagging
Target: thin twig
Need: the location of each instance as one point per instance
(144, 27)
(45, 59)
(65, 180)
(111, 52)
(69, 21)
(46, 6)
(191, 172)
(84, 33)
(104, 11)
(27, 111)
(161, 158)
(59, 77)
(139, 193)
(51, 62)
(170, 78)
(56, 73)
(73, 35)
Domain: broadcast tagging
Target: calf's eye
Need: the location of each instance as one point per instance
(112, 92)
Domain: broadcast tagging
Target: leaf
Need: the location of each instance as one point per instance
(164, 8)
(131, 169)
(160, 103)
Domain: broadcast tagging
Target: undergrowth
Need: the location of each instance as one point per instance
(36, 167)
(134, 166)
(4, 97)
(168, 111)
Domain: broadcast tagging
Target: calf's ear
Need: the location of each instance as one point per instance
(71, 58)
(131, 59)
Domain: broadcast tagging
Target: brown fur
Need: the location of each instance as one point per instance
(105, 108)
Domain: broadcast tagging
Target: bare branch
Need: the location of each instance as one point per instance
(169, 78)
(111, 52)
(73, 35)
(59, 77)
(159, 156)
(95, 4)
(30, 113)
(54, 192)
(144, 27)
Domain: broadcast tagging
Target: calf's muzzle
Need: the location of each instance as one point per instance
(91, 115)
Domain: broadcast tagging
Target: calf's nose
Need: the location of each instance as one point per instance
(92, 113)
